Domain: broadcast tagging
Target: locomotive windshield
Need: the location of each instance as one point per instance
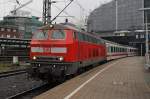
(40, 35)
(58, 34)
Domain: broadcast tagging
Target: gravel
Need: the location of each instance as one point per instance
(12, 85)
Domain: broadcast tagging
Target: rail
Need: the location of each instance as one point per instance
(9, 59)
(12, 73)
(24, 93)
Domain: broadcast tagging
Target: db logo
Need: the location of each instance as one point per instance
(46, 49)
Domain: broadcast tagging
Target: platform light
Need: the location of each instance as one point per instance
(147, 37)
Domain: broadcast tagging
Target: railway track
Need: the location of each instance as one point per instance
(12, 73)
(31, 92)
(9, 59)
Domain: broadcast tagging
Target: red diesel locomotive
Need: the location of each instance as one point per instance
(60, 50)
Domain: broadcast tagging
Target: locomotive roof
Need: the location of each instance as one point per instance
(67, 26)
(62, 26)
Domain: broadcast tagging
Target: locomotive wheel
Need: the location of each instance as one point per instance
(62, 78)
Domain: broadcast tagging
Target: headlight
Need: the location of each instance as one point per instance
(58, 50)
(61, 58)
(34, 57)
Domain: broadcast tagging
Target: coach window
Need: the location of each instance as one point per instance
(111, 49)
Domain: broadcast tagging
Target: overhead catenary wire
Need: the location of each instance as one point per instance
(5, 2)
(65, 12)
(78, 3)
(34, 10)
(62, 10)
(84, 13)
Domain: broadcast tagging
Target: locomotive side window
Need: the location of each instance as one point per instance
(74, 35)
(79, 36)
(58, 34)
(83, 37)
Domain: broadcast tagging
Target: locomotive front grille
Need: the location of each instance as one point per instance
(47, 58)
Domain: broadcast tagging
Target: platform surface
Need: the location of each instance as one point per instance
(119, 79)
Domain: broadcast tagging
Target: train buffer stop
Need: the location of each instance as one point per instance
(124, 78)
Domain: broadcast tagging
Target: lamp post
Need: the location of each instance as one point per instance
(116, 3)
(146, 38)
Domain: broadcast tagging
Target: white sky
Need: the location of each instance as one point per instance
(36, 8)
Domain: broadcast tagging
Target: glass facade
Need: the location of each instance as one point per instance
(147, 5)
(129, 18)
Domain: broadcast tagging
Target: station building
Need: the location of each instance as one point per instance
(121, 21)
(124, 13)
(19, 26)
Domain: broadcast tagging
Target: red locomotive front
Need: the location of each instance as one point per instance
(58, 50)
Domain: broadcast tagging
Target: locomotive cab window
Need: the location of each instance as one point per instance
(40, 35)
(58, 34)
